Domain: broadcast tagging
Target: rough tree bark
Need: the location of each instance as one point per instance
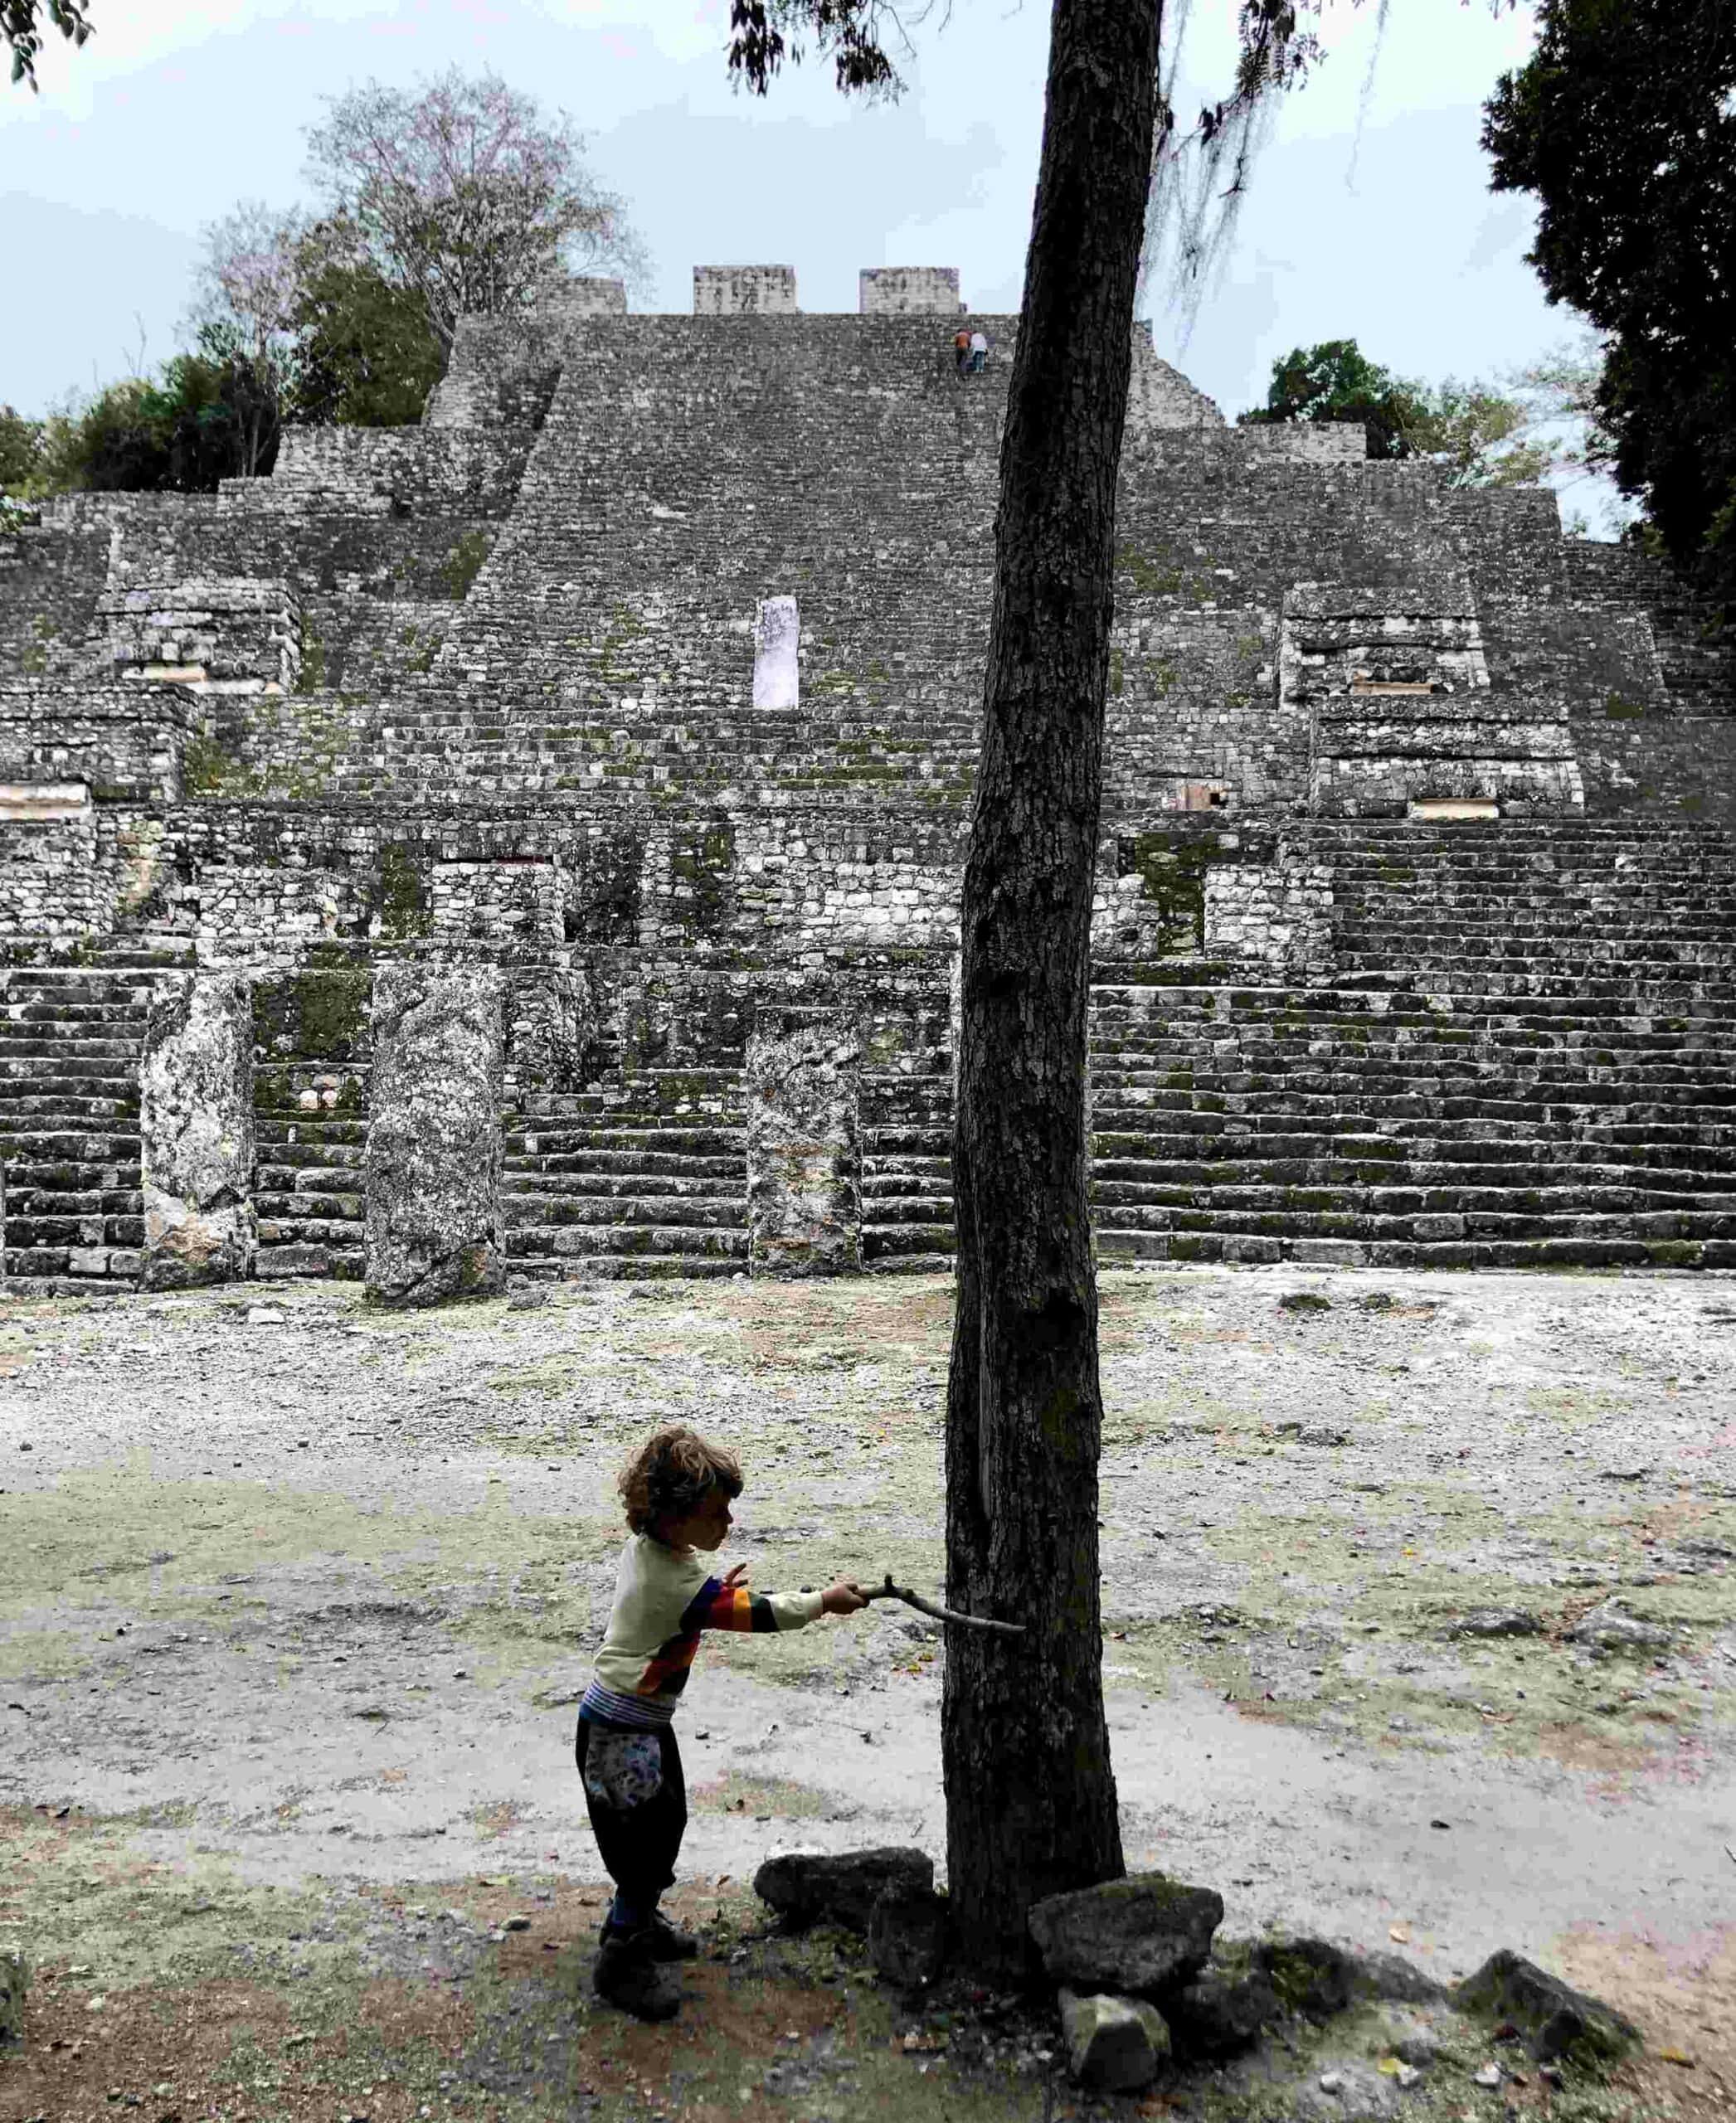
(1030, 1792)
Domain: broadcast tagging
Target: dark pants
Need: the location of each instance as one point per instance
(638, 1844)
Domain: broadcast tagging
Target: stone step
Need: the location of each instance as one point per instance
(585, 1241)
(1264, 1193)
(906, 1243)
(1549, 1253)
(530, 1186)
(1350, 1220)
(624, 1267)
(668, 1213)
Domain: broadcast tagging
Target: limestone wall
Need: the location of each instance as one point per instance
(637, 692)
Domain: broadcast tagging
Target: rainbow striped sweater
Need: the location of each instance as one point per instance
(664, 1599)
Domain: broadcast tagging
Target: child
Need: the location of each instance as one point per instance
(678, 1490)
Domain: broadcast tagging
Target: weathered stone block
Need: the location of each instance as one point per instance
(803, 1186)
(1558, 2020)
(433, 1227)
(196, 1129)
(811, 1886)
(1146, 1933)
(1114, 2045)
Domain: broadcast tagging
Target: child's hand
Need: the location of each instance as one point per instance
(736, 1575)
(845, 1597)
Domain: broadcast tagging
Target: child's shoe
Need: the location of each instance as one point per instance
(628, 1974)
(668, 1942)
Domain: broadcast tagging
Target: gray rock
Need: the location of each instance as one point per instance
(196, 1136)
(1114, 2045)
(1147, 1934)
(1495, 1621)
(1390, 1975)
(809, 1887)
(1310, 1975)
(1219, 2013)
(14, 1979)
(907, 1937)
(433, 1162)
(1328, 1434)
(802, 1092)
(1558, 2021)
(1607, 1631)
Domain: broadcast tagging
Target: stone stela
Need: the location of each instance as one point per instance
(530, 842)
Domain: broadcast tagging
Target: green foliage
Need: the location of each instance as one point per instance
(1622, 125)
(1334, 381)
(22, 24)
(21, 454)
(1476, 430)
(366, 355)
(463, 563)
(203, 417)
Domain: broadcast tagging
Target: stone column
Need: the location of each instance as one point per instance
(433, 1162)
(804, 1159)
(196, 1130)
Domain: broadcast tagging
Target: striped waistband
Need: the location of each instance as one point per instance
(601, 1706)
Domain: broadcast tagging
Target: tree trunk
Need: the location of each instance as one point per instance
(1030, 1793)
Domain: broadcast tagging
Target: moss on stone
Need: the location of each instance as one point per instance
(316, 1015)
(403, 894)
(1172, 878)
(463, 563)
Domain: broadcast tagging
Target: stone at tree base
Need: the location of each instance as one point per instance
(1146, 1934)
(1310, 1976)
(196, 1136)
(14, 1977)
(1558, 2021)
(1220, 2013)
(1114, 2044)
(433, 1227)
(813, 1887)
(907, 1937)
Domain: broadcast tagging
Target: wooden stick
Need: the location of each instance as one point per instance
(914, 1599)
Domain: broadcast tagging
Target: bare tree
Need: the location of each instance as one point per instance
(467, 192)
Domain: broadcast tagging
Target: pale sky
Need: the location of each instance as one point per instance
(178, 109)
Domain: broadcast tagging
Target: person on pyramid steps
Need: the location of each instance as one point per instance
(961, 349)
(677, 1489)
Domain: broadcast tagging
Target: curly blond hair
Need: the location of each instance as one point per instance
(671, 1475)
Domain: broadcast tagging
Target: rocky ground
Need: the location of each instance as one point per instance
(1419, 1634)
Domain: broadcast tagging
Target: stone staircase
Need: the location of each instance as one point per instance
(1519, 1058)
(907, 1168)
(310, 1125)
(70, 1036)
(644, 1177)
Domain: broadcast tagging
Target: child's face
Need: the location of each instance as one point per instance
(707, 1526)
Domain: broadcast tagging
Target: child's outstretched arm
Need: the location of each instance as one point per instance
(726, 1603)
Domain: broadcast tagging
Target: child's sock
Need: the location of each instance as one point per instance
(628, 1913)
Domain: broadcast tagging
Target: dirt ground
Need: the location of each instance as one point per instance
(1420, 1634)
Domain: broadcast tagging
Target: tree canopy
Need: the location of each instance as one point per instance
(1476, 429)
(467, 193)
(1622, 125)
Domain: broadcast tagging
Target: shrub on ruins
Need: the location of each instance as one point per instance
(1476, 430)
(466, 195)
(202, 417)
(21, 454)
(1622, 126)
(366, 355)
